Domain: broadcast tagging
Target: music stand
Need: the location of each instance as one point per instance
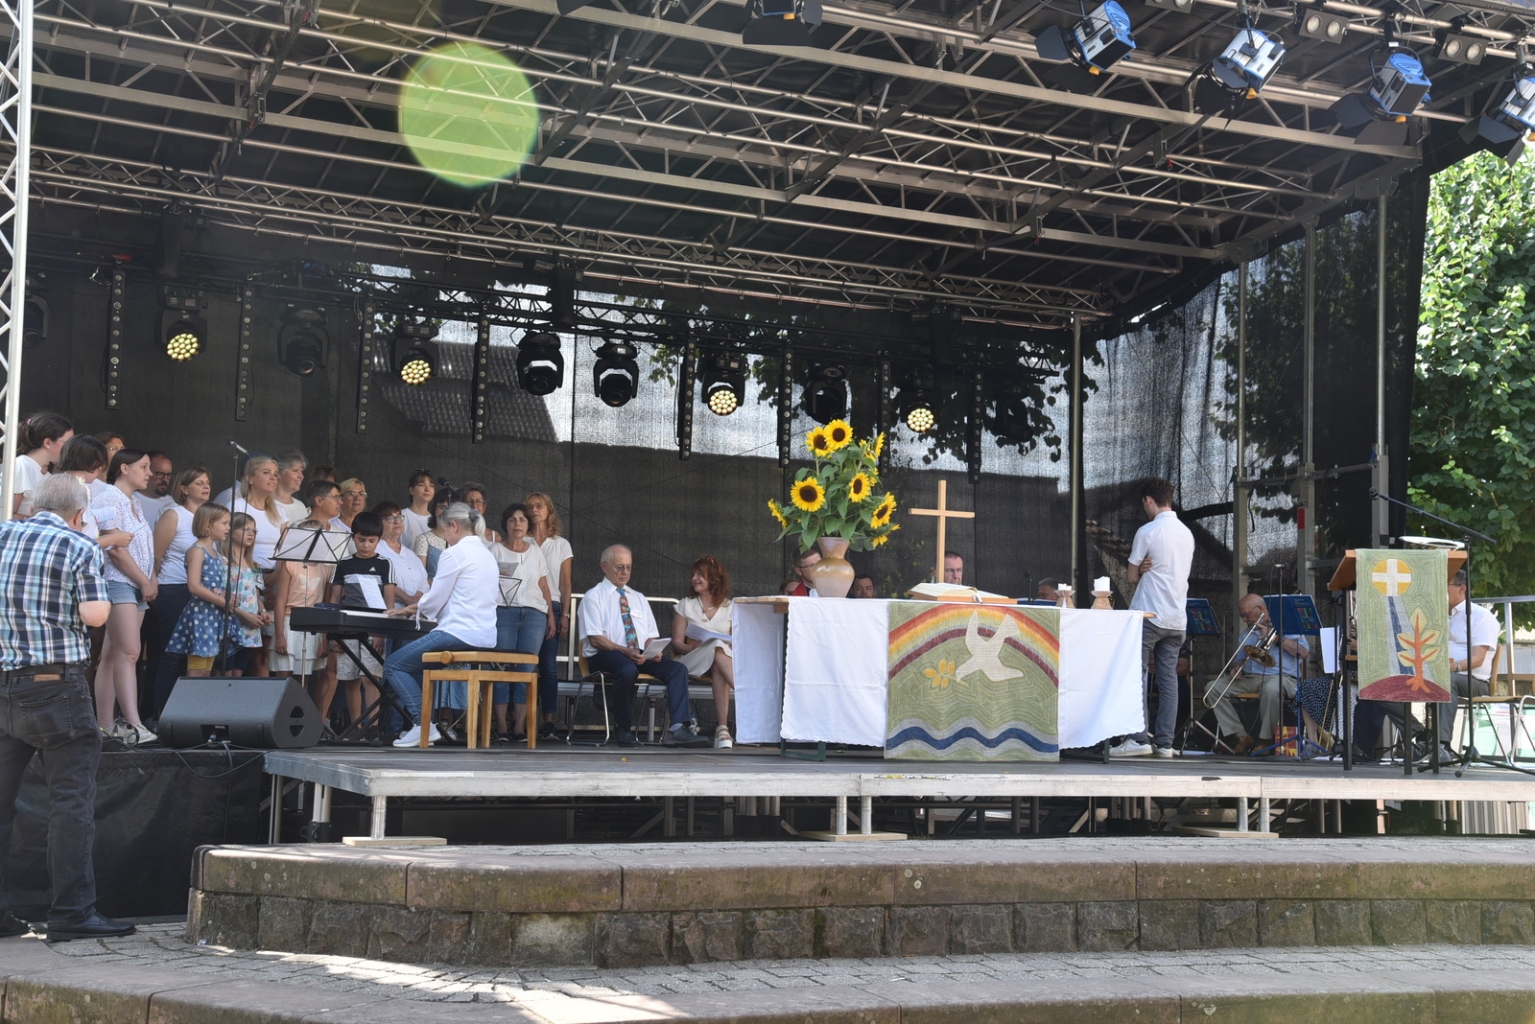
(1201, 621)
(323, 547)
(1290, 615)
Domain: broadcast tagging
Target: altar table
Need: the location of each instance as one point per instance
(813, 670)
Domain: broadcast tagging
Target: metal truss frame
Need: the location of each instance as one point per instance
(15, 143)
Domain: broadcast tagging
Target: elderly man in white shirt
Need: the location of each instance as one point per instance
(461, 600)
(616, 625)
(1160, 560)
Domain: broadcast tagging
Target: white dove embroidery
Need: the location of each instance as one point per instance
(985, 655)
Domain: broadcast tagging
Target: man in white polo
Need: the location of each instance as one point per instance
(1160, 560)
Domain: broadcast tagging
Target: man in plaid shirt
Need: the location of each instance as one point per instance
(51, 591)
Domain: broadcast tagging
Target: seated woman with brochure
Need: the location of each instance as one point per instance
(701, 632)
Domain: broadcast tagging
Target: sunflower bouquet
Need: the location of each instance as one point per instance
(835, 497)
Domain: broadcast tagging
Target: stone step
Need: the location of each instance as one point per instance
(150, 977)
(654, 904)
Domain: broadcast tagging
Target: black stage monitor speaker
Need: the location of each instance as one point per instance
(265, 713)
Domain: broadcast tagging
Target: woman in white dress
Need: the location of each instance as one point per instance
(708, 607)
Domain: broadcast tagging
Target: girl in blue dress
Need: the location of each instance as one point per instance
(204, 621)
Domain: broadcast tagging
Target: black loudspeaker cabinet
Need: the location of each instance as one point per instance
(267, 713)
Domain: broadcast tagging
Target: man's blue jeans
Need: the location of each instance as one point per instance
(624, 675)
(1159, 663)
(402, 670)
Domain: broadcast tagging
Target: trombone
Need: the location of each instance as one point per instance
(1261, 652)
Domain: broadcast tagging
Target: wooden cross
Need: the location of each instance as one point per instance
(944, 514)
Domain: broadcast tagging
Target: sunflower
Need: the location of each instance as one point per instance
(879, 445)
(818, 442)
(878, 541)
(809, 495)
(838, 435)
(777, 513)
(860, 487)
(883, 512)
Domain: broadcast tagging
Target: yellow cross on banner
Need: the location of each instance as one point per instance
(944, 514)
(1391, 577)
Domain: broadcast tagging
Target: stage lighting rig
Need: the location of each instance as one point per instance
(917, 397)
(182, 327)
(418, 363)
(1248, 62)
(616, 376)
(1172, 5)
(540, 364)
(825, 397)
(1093, 45)
(724, 380)
(1319, 24)
(1398, 86)
(779, 22)
(301, 340)
(1451, 45)
(1512, 123)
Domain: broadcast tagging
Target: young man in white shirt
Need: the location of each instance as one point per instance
(461, 599)
(1160, 560)
(616, 625)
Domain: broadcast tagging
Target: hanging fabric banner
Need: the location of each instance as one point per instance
(1403, 619)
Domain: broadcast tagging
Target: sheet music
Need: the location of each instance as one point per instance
(655, 647)
(367, 588)
(702, 635)
(1329, 642)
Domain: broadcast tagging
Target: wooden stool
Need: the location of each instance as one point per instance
(481, 681)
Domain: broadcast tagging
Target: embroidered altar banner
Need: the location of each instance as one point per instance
(1403, 614)
(973, 682)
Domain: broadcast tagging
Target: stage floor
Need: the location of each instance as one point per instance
(560, 771)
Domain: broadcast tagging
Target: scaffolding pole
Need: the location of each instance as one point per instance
(16, 136)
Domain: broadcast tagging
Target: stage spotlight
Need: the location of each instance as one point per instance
(1319, 24)
(182, 329)
(724, 380)
(616, 376)
(1511, 124)
(1398, 86)
(780, 22)
(183, 341)
(1102, 37)
(917, 399)
(301, 341)
(825, 398)
(1248, 62)
(1460, 49)
(920, 417)
(1172, 5)
(418, 362)
(540, 364)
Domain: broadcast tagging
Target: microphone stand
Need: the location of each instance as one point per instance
(229, 560)
(1469, 755)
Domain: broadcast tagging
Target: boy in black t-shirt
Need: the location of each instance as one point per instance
(347, 589)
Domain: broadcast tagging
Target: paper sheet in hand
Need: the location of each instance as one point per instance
(368, 590)
(702, 635)
(655, 647)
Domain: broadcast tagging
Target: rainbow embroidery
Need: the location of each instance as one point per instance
(973, 682)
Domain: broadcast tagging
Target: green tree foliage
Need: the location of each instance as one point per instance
(1473, 432)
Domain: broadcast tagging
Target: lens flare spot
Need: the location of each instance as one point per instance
(468, 114)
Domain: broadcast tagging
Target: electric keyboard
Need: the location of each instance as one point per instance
(353, 621)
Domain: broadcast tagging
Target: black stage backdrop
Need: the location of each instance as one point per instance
(1160, 402)
(153, 809)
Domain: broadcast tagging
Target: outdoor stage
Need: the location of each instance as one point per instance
(557, 771)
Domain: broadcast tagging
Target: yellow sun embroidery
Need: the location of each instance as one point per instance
(809, 495)
(943, 675)
(883, 512)
(838, 435)
(859, 488)
(777, 513)
(818, 442)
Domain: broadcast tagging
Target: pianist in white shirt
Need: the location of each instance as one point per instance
(461, 600)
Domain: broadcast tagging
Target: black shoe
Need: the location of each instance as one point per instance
(628, 739)
(548, 731)
(11, 926)
(97, 926)
(685, 736)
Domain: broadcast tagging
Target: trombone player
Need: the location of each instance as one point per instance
(1258, 664)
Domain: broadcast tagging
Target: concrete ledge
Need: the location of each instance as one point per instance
(656, 904)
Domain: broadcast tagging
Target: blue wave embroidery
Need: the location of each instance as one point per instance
(917, 734)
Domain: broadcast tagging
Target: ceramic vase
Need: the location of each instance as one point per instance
(833, 574)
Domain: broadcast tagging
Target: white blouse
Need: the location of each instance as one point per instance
(114, 510)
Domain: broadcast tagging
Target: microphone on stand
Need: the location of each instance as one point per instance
(236, 445)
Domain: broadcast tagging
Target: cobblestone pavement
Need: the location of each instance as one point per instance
(162, 945)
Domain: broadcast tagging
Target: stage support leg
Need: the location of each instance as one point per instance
(1034, 823)
(839, 817)
(866, 815)
(380, 812)
(319, 819)
(1239, 491)
(1241, 814)
(690, 817)
(1017, 815)
(668, 818)
(1264, 816)
(274, 816)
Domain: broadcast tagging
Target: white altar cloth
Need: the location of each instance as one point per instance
(829, 682)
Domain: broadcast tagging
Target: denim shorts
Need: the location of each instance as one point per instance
(125, 593)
